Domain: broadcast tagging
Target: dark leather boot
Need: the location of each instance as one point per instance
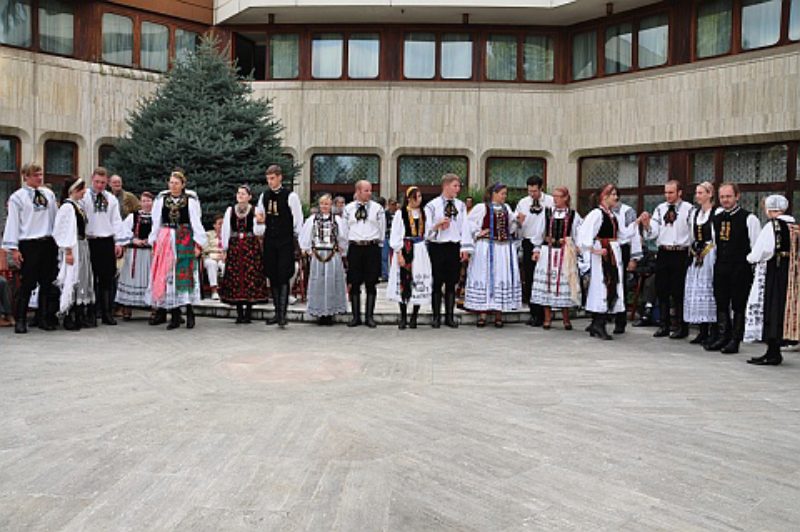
(71, 322)
(414, 313)
(537, 315)
(355, 305)
(370, 310)
(449, 310)
(248, 313)
(276, 300)
(239, 313)
(189, 317)
(713, 335)
(282, 319)
(646, 319)
(436, 302)
(732, 347)
(403, 323)
(80, 315)
(158, 317)
(724, 336)
(620, 321)
(681, 332)
(106, 308)
(702, 335)
(773, 356)
(663, 328)
(597, 329)
(91, 316)
(175, 319)
(43, 311)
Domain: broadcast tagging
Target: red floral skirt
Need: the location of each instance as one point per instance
(244, 280)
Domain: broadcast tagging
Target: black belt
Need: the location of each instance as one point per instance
(673, 248)
(364, 242)
(41, 238)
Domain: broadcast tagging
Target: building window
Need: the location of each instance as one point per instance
(755, 165)
(584, 55)
(656, 169)
(456, 56)
(426, 171)
(286, 163)
(16, 28)
(363, 55)
(60, 158)
(514, 171)
(419, 56)
(338, 173)
(620, 170)
(9, 155)
(761, 23)
(501, 57)
(117, 39)
(794, 20)
(702, 167)
(185, 43)
(538, 58)
(103, 154)
(653, 41)
(327, 51)
(713, 28)
(619, 48)
(56, 27)
(251, 54)
(284, 56)
(154, 47)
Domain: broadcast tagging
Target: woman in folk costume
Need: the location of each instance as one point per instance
(410, 277)
(493, 278)
(766, 306)
(75, 277)
(791, 322)
(556, 284)
(598, 235)
(324, 240)
(133, 287)
(699, 305)
(177, 238)
(244, 282)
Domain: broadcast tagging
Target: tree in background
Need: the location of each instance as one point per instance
(204, 120)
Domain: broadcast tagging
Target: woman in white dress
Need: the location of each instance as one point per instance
(75, 278)
(177, 238)
(324, 240)
(556, 283)
(410, 277)
(493, 279)
(598, 236)
(133, 288)
(699, 304)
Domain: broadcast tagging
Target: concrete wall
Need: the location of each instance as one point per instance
(753, 97)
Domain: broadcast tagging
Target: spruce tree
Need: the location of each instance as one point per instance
(204, 120)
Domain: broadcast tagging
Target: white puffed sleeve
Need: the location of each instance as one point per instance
(196, 221)
(306, 232)
(398, 232)
(589, 229)
(126, 233)
(158, 206)
(226, 228)
(475, 219)
(65, 228)
(344, 229)
(765, 245)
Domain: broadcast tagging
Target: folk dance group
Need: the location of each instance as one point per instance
(703, 271)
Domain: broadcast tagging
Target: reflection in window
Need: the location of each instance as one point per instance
(538, 57)
(185, 43)
(117, 39)
(761, 23)
(251, 51)
(419, 56)
(56, 27)
(103, 153)
(621, 170)
(584, 55)
(702, 167)
(514, 172)
(755, 165)
(327, 50)
(713, 28)
(8, 154)
(154, 47)
(794, 28)
(15, 22)
(59, 157)
(501, 57)
(284, 56)
(653, 40)
(428, 170)
(363, 55)
(619, 48)
(456, 56)
(656, 169)
(344, 169)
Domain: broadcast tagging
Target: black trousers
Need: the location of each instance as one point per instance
(39, 266)
(732, 285)
(363, 267)
(104, 263)
(671, 269)
(621, 318)
(528, 267)
(278, 262)
(445, 265)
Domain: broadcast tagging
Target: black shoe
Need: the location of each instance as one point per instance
(248, 314)
(597, 329)
(239, 315)
(106, 308)
(21, 325)
(731, 348)
(646, 318)
(724, 334)
(403, 323)
(189, 317)
(620, 321)
(681, 333)
(355, 304)
(702, 336)
(282, 319)
(663, 330)
(449, 310)
(175, 319)
(370, 310)
(158, 317)
(412, 324)
(774, 360)
(71, 321)
(436, 299)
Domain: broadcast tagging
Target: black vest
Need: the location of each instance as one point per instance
(783, 237)
(557, 231)
(279, 220)
(609, 227)
(142, 224)
(180, 213)
(408, 220)
(242, 225)
(732, 236)
(80, 219)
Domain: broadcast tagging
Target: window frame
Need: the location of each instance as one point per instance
(438, 32)
(14, 175)
(52, 178)
(521, 35)
(341, 189)
(428, 191)
(514, 158)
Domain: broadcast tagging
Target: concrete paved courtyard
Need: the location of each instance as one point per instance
(235, 428)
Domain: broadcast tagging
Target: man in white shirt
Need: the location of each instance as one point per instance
(450, 243)
(280, 211)
(530, 213)
(106, 236)
(670, 227)
(366, 229)
(631, 251)
(28, 238)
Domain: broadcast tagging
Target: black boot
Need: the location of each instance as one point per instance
(91, 316)
(773, 356)
(620, 321)
(106, 308)
(436, 301)
(80, 315)
(175, 319)
(713, 335)
(702, 336)
(646, 318)
(71, 322)
(189, 317)
(598, 327)
(663, 328)
(724, 336)
(732, 347)
(414, 313)
(158, 317)
(403, 315)
(239, 313)
(369, 319)
(248, 313)
(276, 300)
(21, 315)
(449, 310)
(355, 304)
(282, 319)
(537, 315)
(682, 331)
(44, 310)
